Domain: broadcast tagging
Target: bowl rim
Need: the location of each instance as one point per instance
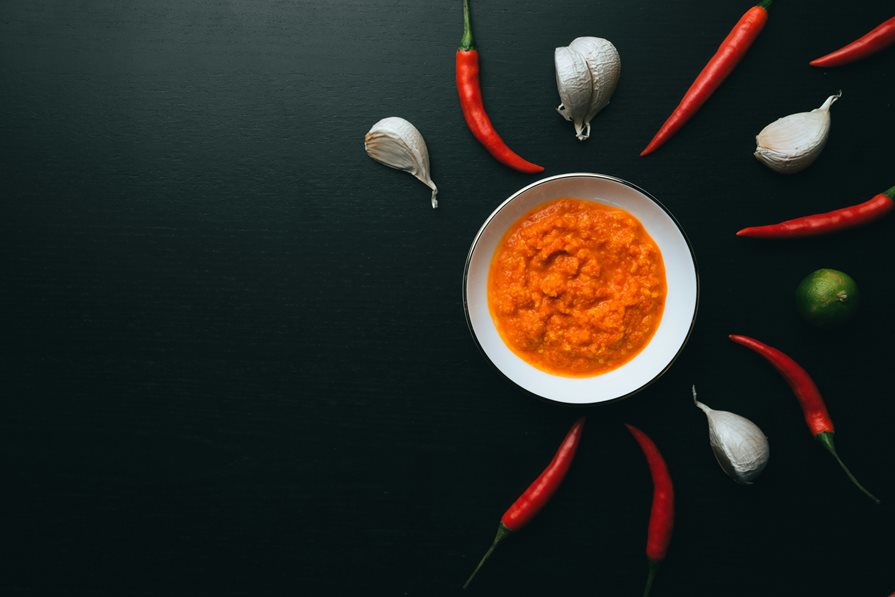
(478, 236)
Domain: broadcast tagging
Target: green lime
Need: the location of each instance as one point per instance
(827, 298)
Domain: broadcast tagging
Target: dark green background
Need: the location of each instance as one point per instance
(235, 357)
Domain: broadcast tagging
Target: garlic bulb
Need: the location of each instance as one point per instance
(587, 72)
(790, 144)
(739, 445)
(396, 143)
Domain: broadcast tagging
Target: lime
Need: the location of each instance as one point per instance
(827, 298)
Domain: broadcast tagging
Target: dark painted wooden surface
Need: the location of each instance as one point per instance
(235, 358)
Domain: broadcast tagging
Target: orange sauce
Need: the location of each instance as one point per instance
(577, 288)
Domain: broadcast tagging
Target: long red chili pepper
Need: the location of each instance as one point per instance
(473, 106)
(661, 519)
(831, 221)
(538, 493)
(874, 41)
(813, 407)
(728, 55)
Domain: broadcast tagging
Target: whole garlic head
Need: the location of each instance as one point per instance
(792, 143)
(587, 73)
(739, 445)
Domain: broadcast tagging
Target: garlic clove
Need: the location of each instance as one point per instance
(573, 81)
(739, 445)
(792, 143)
(604, 64)
(398, 144)
(587, 73)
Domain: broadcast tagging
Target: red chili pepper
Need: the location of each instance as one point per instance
(878, 39)
(831, 221)
(809, 397)
(538, 493)
(473, 106)
(728, 55)
(661, 519)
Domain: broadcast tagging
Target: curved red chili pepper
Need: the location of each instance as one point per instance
(719, 66)
(473, 106)
(538, 493)
(831, 221)
(879, 38)
(813, 407)
(542, 489)
(661, 519)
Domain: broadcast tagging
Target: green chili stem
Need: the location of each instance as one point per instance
(765, 4)
(890, 193)
(650, 576)
(467, 43)
(826, 438)
(502, 533)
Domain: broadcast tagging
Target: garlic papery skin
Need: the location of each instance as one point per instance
(573, 81)
(587, 73)
(398, 144)
(739, 445)
(605, 68)
(792, 143)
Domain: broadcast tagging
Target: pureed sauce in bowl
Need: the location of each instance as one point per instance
(577, 288)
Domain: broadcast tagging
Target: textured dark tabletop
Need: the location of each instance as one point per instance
(235, 360)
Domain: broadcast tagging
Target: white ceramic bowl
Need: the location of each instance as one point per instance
(680, 304)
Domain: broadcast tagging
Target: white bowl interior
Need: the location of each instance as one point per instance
(680, 304)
